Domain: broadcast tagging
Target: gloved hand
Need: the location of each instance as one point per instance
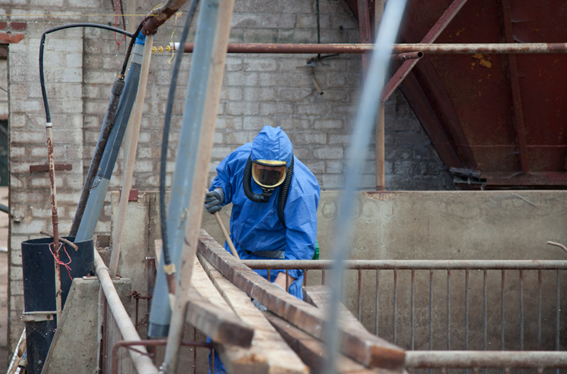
(213, 200)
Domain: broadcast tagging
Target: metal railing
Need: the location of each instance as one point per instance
(456, 308)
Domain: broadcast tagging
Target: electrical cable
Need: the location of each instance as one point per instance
(166, 129)
(41, 48)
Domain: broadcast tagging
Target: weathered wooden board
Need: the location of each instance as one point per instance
(235, 359)
(203, 312)
(366, 349)
(320, 296)
(312, 351)
(267, 343)
(220, 324)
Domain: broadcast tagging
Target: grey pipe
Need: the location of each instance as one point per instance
(160, 313)
(101, 182)
(360, 142)
(107, 124)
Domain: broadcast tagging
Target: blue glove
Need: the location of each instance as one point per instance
(213, 200)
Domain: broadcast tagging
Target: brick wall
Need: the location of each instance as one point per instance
(259, 90)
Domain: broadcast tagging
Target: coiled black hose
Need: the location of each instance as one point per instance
(166, 129)
(42, 46)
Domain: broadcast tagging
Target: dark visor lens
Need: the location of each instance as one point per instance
(268, 177)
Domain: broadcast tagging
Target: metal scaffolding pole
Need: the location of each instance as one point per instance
(431, 49)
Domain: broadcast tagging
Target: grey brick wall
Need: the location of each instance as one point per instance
(258, 90)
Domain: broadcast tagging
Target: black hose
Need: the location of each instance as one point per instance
(129, 51)
(41, 47)
(4, 208)
(284, 191)
(166, 128)
(264, 197)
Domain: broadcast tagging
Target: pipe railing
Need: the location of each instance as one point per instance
(429, 49)
(140, 358)
(412, 264)
(486, 359)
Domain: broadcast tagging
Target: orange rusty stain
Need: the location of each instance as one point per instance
(460, 31)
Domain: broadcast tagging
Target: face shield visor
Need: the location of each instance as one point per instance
(269, 174)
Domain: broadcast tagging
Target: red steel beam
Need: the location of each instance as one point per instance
(428, 49)
(418, 101)
(438, 98)
(516, 95)
(435, 31)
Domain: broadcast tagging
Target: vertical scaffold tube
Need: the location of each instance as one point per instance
(160, 314)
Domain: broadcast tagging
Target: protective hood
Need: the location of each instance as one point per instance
(272, 144)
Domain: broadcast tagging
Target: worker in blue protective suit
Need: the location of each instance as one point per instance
(274, 200)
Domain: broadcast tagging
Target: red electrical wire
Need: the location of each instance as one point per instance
(116, 6)
(61, 262)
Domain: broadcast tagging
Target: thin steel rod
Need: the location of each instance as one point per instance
(54, 220)
(412, 309)
(395, 306)
(481, 359)
(466, 310)
(557, 310)
(141, 361)
(502, 310)
(377, 312)
(380, 149)
(484, 291)
(448, 310)
(430, 309)
(539, 281)
(428, 49)
(411, 264)
(359, 294)
(521, 310)
(557, 306)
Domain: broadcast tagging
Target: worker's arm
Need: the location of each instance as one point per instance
(280, 280)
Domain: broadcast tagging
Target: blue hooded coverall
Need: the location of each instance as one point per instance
(256, 227)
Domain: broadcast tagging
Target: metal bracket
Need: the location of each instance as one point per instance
(38, 316)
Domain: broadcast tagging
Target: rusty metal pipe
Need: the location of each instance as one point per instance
(411, 264)
(428, 49)
(484, 359)
(54, 219)
(408, 56)
(157, 16)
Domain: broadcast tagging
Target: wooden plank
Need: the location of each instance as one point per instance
(267, 343)
(219, 324)
(235, 359)
(312, 351)
(320, 296)
(365, 348)
(205, 313)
